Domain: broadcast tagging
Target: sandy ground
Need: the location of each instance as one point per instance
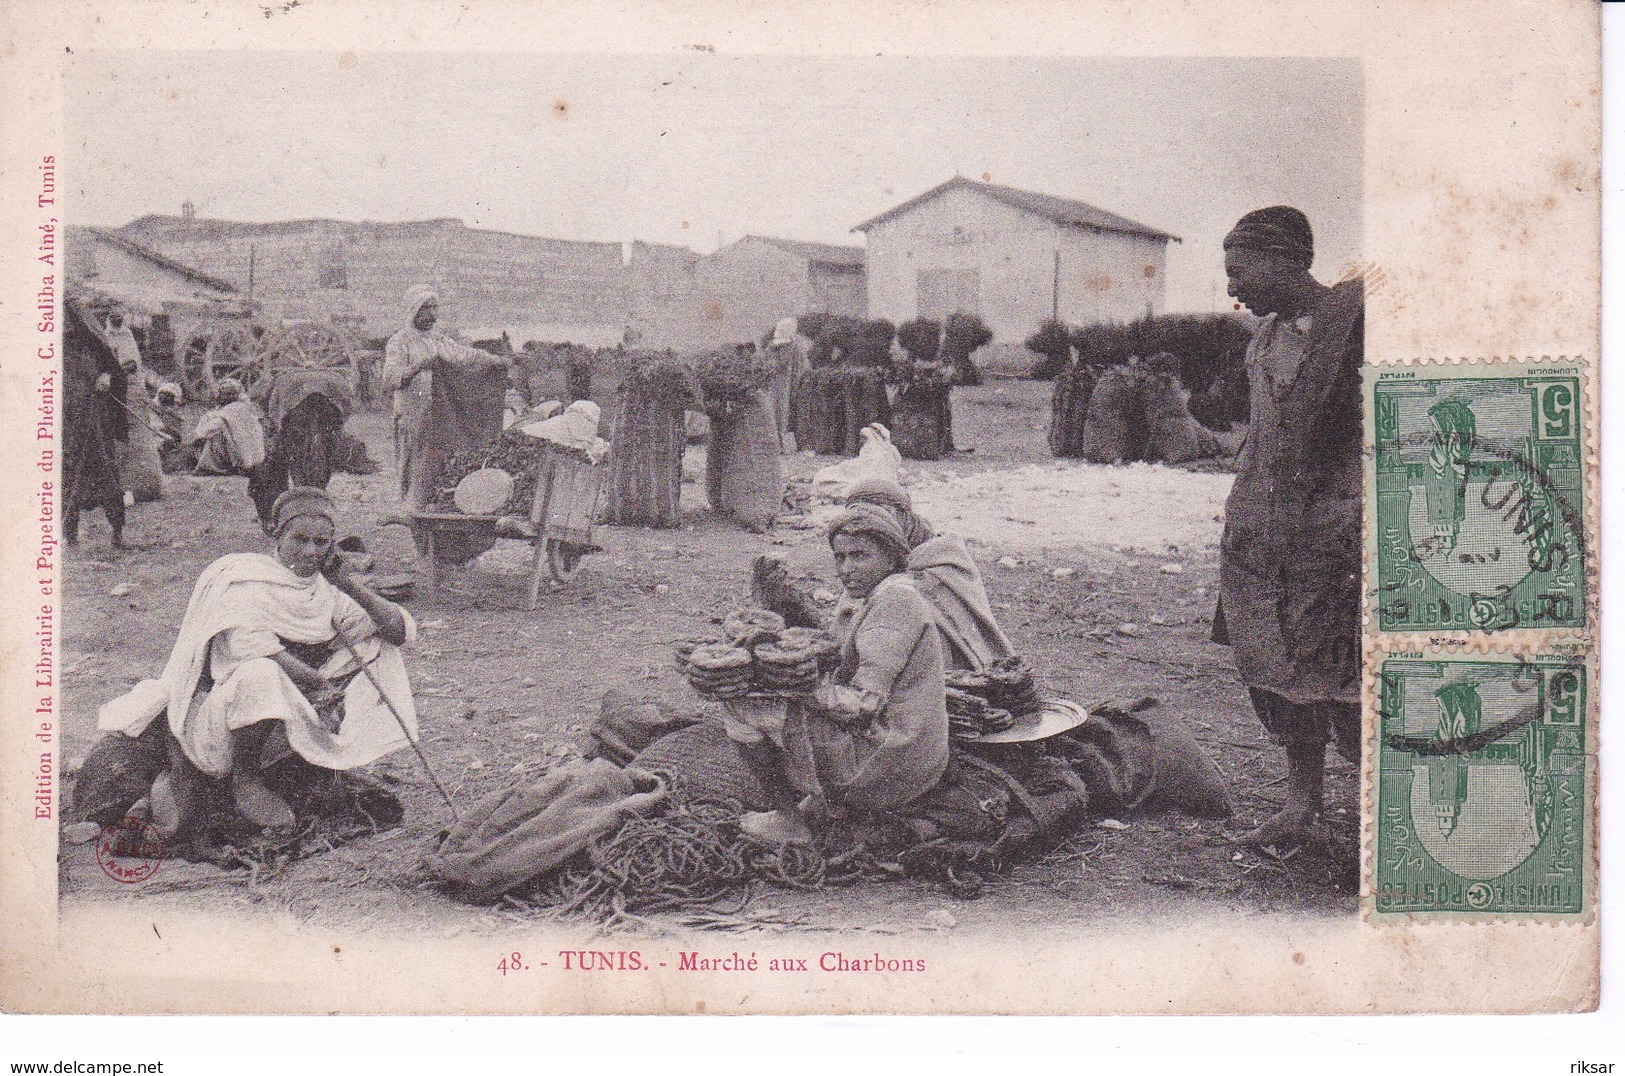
(1103, 576)
(1139, 508)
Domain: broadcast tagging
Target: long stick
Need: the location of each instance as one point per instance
(155, 429)
(366, 670)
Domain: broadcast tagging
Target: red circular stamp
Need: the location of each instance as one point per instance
(130, 851)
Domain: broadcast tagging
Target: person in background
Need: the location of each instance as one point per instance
(230, 436)
(409, 358)
(167, 408)
(95, 418)
(1289, 567)
(121, 338)
(139, 462)
(875, 737)
(173, 448)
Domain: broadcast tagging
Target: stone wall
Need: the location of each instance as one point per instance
(658, 296)
(488, 281)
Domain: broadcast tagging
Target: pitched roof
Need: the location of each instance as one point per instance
(194, 275)
(1062, 210)
(827, 253)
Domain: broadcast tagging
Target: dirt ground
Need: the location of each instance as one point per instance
(1104, 577)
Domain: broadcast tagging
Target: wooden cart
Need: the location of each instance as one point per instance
(559, 527)
(250, 352)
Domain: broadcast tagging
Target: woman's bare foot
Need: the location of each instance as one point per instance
(1292, 827)
(165, 804)
(775, 828)
(259, 804)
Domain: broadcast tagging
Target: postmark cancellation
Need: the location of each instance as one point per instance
(1478, 521)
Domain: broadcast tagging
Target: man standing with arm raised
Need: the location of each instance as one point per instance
(426, 434)
(1289, 576)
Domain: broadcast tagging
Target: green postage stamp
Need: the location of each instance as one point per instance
(1479, 522)
(1483, 802)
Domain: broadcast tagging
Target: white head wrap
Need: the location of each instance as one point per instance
(587, 408)
(414, 300)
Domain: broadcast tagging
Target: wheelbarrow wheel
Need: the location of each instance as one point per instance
(564, 559)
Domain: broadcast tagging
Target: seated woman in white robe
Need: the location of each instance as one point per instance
(268, 644)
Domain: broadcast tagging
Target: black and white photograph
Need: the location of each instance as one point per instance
(809, 514)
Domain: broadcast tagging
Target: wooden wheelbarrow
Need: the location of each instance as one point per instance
(559, 526)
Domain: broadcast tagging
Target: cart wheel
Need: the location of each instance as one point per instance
(564, 559)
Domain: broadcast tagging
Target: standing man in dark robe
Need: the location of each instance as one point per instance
(95, 418)
(1289, 575)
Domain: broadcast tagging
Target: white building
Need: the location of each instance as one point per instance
(1013, 258)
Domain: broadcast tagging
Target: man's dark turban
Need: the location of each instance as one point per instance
(1280, 229)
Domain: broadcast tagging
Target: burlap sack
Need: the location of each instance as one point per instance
(118, 771)
(703, 765)
(918, 429)
(1187, 778)
(1069, 410)
(1172, 435)
(644, 487)
(1114, 430)
(1131, 760)
(510, 837)
(743, 480)
(809, 414)
(627, 724)
(865, 403)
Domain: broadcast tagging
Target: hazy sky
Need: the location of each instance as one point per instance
(682, 148)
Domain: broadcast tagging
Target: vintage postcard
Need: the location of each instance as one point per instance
(908, 507)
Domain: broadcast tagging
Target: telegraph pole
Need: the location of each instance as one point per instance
(1055, 292)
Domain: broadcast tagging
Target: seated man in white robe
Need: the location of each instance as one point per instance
(272, 644)
(230, 437)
